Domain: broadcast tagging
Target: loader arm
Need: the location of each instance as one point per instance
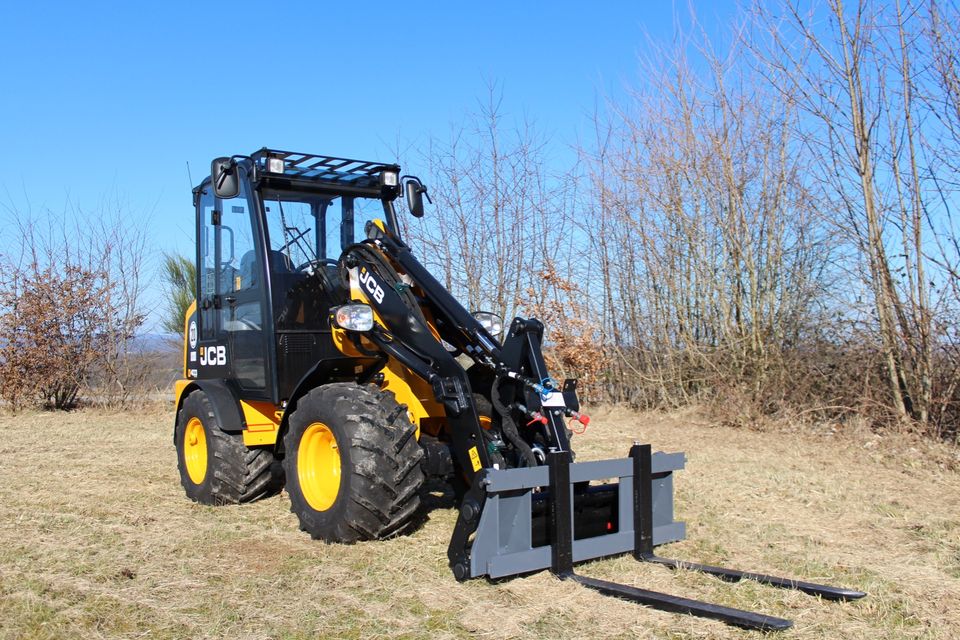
(403, 304)
(519, 358)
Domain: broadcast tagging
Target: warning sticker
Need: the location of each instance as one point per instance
(475, 458)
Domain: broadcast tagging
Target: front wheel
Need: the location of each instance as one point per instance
(215, 467)
(352, 464)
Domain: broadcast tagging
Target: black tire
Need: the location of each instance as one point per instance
(234, 473)
(378, 494)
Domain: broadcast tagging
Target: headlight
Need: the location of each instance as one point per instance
(354, 317)
(491, 322)
(275, 165)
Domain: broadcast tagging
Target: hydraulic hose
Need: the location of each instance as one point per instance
(509, 427)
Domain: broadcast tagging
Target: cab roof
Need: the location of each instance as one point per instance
(313, 172)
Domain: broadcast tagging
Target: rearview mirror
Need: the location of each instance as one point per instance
(414, 193)
(492, 322)
(225, 178)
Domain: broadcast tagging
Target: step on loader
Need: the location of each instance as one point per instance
(321, 356)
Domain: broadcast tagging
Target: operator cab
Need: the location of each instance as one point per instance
(267, 258)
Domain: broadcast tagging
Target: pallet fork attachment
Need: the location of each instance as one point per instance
(523, 520)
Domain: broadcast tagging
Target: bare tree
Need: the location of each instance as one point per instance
(852, 74)
(709, 255)
(500, 217)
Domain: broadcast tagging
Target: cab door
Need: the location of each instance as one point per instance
(232, 292)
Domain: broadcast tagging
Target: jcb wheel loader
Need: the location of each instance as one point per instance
(322, 356)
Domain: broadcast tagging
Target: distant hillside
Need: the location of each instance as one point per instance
(158, 343)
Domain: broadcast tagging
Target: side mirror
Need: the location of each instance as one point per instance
(492, 322)
(225, 178)
(414, 192)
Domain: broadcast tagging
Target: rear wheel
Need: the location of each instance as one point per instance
(216, 467)
(352, 464)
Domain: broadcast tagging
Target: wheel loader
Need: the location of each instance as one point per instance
(321, 356)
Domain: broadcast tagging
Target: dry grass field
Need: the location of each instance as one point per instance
(97, 541)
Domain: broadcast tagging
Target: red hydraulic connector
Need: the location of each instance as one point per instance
(535, 416)
(579, 417)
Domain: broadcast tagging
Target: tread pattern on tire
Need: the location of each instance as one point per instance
(235, 473)
(381, 472)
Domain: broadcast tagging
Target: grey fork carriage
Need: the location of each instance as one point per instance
(517, 521)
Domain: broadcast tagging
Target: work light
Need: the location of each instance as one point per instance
(354, 317)
(275, 165)
(389, 178)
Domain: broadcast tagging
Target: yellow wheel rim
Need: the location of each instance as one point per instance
(318, 466)
(195, 450)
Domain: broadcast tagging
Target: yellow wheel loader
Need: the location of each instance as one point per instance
(321, 356)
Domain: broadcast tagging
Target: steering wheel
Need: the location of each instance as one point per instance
(311, 264)
(249, 324)
(242, 324)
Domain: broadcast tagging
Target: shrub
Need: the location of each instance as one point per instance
(68, 309)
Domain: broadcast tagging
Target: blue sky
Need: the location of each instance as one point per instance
(107, 102)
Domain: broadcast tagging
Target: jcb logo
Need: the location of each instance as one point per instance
(213, 356)
(372, 287)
